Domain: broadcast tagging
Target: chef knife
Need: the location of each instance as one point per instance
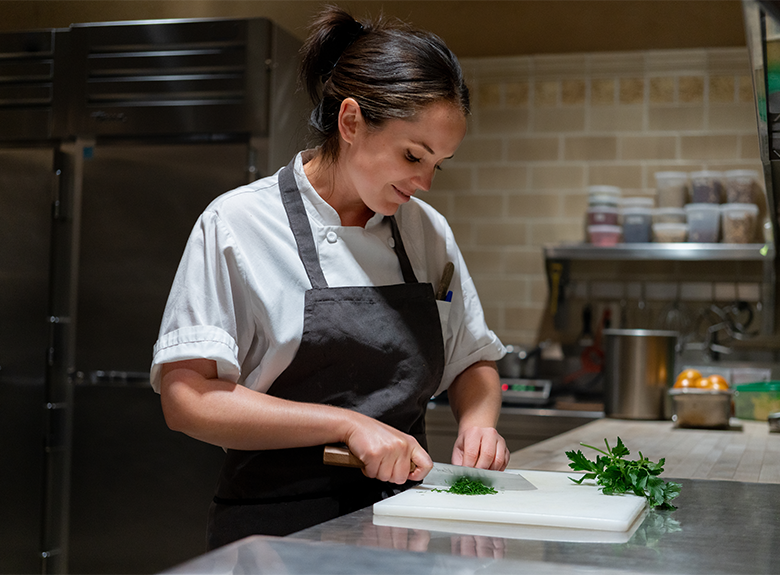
(442, 474)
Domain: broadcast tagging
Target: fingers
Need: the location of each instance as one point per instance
(481, 447)
(423, 465)
(389, 455)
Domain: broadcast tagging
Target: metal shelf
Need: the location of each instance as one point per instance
(665, 251)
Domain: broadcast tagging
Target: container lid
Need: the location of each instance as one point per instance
(636, 211)
(605, 228)
(735, 207)
(704, 207)
(670, 226)
(759, 386)
(669, 211)
(671, 175)
(607, 190)
(741, 174)
(637, 202)
(603, 209)
(603, 200)
(707, 174)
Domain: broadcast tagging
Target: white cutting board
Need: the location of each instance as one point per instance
(508, 531)
(556, 502)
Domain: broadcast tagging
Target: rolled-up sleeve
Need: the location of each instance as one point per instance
(206, 316)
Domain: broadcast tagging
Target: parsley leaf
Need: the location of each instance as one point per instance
(615, 474)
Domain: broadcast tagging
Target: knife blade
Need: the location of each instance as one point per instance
(445, 474)
(442, 474)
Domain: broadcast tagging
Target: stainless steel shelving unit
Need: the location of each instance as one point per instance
(681, 252)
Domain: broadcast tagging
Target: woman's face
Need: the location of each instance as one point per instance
(386, 166)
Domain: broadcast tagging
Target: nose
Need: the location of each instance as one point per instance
(424, 179)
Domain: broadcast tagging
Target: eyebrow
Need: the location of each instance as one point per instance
(429, 150)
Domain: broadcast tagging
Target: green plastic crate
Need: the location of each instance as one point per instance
(757, 400)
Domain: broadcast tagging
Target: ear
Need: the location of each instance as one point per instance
(350, 119)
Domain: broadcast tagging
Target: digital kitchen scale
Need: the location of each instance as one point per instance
(525, 391)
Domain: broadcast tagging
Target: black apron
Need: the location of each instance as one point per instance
(376, 350)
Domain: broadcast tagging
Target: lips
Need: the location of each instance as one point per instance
(403, 195)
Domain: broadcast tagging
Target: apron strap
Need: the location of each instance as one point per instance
(400, 251)
(299, 223)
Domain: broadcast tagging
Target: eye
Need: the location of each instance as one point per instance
(412, 158)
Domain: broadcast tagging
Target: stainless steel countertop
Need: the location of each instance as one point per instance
(720, 527)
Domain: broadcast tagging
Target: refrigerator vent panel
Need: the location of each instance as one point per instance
(171, 77)
(26, 85)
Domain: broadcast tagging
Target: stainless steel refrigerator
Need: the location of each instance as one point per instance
(160, 118)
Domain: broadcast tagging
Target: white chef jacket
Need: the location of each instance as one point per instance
(238, 295)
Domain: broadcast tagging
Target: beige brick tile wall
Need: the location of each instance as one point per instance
(543, 128)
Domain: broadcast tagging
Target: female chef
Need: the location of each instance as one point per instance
(303, 312)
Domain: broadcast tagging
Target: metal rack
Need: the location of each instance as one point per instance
(677, 252)
(683, 252)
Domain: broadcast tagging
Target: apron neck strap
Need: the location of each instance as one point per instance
(299, 224)
(400, 251)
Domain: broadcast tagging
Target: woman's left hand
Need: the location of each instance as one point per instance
(475, 399)
(481, 447)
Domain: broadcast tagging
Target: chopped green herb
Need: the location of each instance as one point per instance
(467, 486)
(617, 475)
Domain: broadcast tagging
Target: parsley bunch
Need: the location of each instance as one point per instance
(617, 475)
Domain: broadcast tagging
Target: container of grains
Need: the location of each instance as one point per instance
(669, 216)
(670, 232)
(739, 222)
(602, 215)
(672, 189)
(740, 186)
(604, 235)
(636, 224)
(703, 222)
(706, 187)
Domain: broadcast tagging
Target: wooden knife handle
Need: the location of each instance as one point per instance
(343, 457)
(340, 456)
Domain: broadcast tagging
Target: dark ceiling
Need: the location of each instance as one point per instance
(472, 28)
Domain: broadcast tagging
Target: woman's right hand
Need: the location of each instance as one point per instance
(387, 454)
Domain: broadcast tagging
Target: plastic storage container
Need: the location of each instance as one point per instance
(757, 400)
(606, 196)
(703, 222)
(669, 216)
(739, 222)
(670, 232)
(637, 225)
(672, 189)
(740, 186)
(602, 215)
(706, 187)
(604, 235)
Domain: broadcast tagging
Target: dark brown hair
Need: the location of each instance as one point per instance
(391, 69)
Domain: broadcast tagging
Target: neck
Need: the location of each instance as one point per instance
(329, 183)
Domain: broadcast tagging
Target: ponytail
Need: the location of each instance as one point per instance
(389, 68)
